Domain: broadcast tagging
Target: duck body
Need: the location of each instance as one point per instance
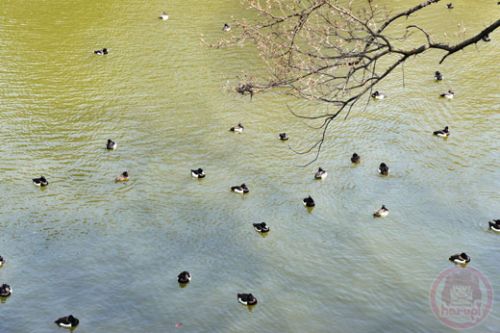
(378, 95)
(320, 174)
(309, 202)
(261, 227)
(123, 177)
(67, 322)
(163, 16)
(198, 173)
(381, 212)
(461, 258)
(355, 158)
(103, 51)
(449, 94)
(226, 27)
(247, 299)
(383, 169)
(5, 290)
(438, 76)
(184, 277)
(2, 261)
(237, 129)
(493, 225)
(444, 133)
(283, 136)
(42, 181)
(242, 189)
(111, 145)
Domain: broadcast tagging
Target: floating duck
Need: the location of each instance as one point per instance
(444, 133)
(355, 158)
(283, 136)
(163, 16)
(111, 145)
(5, 290)
(449, 5)
(242, 189)
(103, 51)
(494, 225)
(461, 258)
(309, 202)
(123, 177)
(2, 261)
(320, 174)
(42, 181)
(67, 322)
(383, 169)
(381, 212)
(198, 173)
(247, 299)
(438, 76)
(378, 95)
(449, 94)
(237, 129)
(184, 277)
(261, 227)
(226, 27)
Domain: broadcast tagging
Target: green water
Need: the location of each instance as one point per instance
(110, 253)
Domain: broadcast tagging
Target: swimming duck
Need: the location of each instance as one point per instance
(449, 94)
(247, 299)
(449, 5)
(444, 133)
(67, 322)
(123, 177)
(261, 227)
(111, 144)
(383, 169)
(438, 76)
(104, 51)
(381, 212)
(2, 261)
(494, 225)
(461, 258)
(237, 129)
(198, 173)
(283, 136)
(355, 158)
(42, 181)
(5, 290)
(226, 27)
(163, 16)
(320, 174)
(242, 189)
(309, 202)
(184, 277)
(378, 95)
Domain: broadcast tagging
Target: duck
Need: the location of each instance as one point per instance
(104, 51)
(247, 299)
(226, 27)
(449, 5)
(449, 94)
(111, 145)
(378, 95)
(123, 177)
(355, 158)
(320, 174)
(5, 290)
(444, 133)
(67, 322)
(261, 227)
(242, 189)
(461, 258)
(237, 129)
(309, 202)
(283, 136)
(494, 225)
(163, 16)
(2, 261)
(383, 169)
(184, 277)
(42, 181)
(438, 76)
(198, 173)
(381, 212)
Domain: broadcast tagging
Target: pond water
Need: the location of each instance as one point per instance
(110, 253)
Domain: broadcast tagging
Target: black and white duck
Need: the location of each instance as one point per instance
(355, 158)
(42, 181)
(261, 227)
(2, 261)
(163, 16)
(237, 129)
(378, 95)
(309, 202)
(247, 299)
(449, 94)
(5, 290)
(123, 177)
(103, 51)
(383, 169)
(242, 189)
(438, 76)
(226, 27)
(67, 322)
(111, 145)
(494, 225)
(461, 258)
(444, 133)
(184, 277)
(320, 174)
(198, 173)
(381, 212)
(283, 136)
